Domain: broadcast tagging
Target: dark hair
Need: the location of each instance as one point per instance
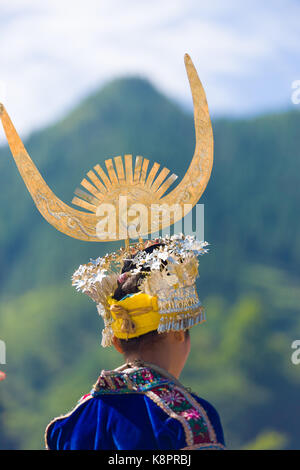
(131, 285)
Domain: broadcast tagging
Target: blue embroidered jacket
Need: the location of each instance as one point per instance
(137, 409)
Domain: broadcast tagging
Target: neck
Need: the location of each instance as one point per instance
(157, 360)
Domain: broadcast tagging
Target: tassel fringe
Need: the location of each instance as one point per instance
(183, 321)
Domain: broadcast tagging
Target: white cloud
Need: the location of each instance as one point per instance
(55, 51)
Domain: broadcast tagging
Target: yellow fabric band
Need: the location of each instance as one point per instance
(134, 316)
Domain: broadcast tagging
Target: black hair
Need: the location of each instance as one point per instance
(131, 285)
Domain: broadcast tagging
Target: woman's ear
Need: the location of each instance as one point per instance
(117, 345)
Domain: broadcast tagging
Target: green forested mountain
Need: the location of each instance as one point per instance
(240, 359)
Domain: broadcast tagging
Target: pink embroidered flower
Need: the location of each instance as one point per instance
(147, 375)
(191, 414)
(172, 397)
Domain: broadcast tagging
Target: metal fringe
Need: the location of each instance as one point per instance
(107, 336)
(182, 321)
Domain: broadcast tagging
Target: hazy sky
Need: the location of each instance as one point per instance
(54, 52)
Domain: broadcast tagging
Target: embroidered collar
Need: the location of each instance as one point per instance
(138, 379)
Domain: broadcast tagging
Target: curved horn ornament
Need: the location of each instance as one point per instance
(70, 221)
(193, 185)
(140, 188)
